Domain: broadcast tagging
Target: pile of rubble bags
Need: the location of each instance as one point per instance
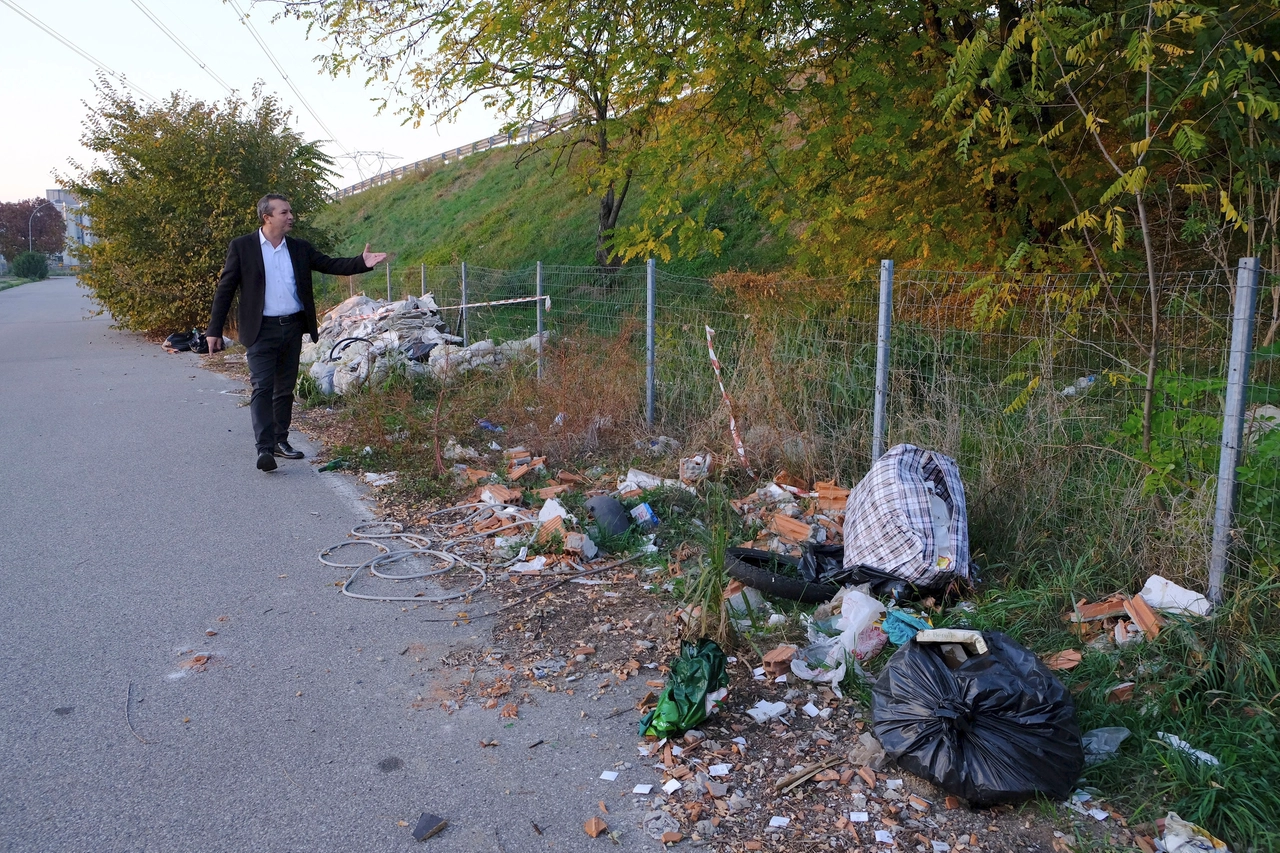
(363, 340)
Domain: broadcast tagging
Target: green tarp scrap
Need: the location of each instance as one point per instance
(698, 682)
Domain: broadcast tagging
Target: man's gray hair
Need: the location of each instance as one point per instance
(264, 205)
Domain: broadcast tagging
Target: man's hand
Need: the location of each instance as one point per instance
(372, 259)
(215, 344)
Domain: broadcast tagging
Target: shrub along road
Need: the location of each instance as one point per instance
(137, 539)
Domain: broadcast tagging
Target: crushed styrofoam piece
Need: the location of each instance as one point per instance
(893, 784)
(810, 709)
(1167, 596)
(940, 847)
(553, 509)
(764, 710)
(642, 789)
(533, 566)
(672, 786)
(778, 821)
(609, 775)
(719, 769)
(884, 836)
(758, 673)
(859, 817)
(376, 479)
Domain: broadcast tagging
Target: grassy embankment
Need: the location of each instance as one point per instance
(497, 210)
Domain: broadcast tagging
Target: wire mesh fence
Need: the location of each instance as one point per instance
(1036, 383)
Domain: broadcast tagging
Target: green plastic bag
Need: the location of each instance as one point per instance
(698, 682)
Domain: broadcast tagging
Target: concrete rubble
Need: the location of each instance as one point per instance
(363, 340)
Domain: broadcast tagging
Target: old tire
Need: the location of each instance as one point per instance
(759, 569)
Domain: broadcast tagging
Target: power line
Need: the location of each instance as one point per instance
(244, 19)
(102, 65)
(174, 38)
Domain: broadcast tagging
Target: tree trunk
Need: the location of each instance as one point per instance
(610, 207)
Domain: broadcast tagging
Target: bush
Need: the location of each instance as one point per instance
(32, 265)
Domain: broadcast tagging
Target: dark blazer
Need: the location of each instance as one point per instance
(243, 271)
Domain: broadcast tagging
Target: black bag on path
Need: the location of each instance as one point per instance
(999, 728)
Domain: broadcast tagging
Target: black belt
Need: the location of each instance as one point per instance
(284, 319)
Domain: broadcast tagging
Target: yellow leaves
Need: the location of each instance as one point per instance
(1113, 223)
(1131, 181)
(1053, 132)
(1093, 122)
(1139, 148)
(1230, 213)
(1024, 396)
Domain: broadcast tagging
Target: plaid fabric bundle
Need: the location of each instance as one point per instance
(888, 525)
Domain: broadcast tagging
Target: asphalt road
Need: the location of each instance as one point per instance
(132, 524)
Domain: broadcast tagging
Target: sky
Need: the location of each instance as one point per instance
(46, 84)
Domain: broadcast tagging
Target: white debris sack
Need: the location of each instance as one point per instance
(907, 518)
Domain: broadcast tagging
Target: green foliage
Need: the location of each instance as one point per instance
(32, 265)
(177, 181)
(1185, 432)
(1258, 502)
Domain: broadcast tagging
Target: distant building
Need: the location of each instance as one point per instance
(77, 222)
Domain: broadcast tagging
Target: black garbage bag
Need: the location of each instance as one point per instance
(824, 564)
(999, 728)
(192, 341)
(696, 684)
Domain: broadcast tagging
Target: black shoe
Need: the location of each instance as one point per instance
(266, 462)
(285, 450)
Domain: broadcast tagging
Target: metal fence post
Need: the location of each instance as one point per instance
(388, 281)
(462, 312)
(538, 293)
(1233, 421)
(650, 347)
(882, 360)
(422, 273)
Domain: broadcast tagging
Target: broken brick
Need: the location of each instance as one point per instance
(595, 827)
(1143, 616)
(1105, 609)
(792, 529)
(777, 661)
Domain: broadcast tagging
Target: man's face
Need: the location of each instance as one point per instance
(280, 219)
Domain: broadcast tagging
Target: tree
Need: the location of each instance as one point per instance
(598, 66)
(179, 179)
(1159, 100)
(47, 228)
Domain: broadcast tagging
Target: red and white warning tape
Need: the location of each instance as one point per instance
(733, 425)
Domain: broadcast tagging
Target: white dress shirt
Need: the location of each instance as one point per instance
(282, 288)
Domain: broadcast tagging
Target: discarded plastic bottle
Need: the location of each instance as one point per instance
(1080, 386)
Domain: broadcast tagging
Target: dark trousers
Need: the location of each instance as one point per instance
(273, 371)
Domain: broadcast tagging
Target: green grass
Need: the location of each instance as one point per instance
(8, 281)
(497, 210)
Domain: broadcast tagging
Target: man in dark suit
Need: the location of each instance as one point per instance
(272, 272)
